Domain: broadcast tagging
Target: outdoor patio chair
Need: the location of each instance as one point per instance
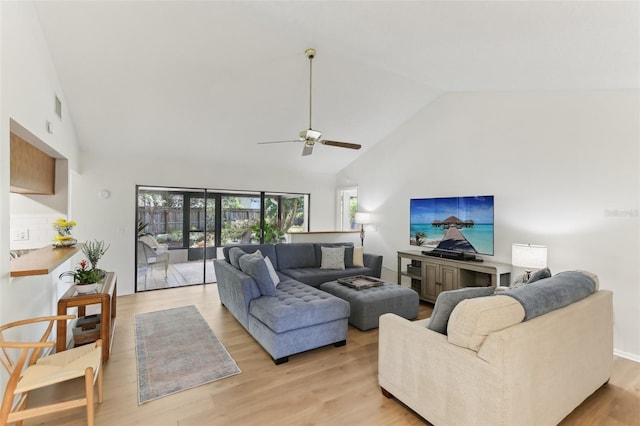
(154, 244)
(148, 258)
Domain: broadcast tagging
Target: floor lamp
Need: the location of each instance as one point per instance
(363, 219)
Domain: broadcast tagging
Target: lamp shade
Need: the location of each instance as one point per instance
(529, 256)
(363, 218)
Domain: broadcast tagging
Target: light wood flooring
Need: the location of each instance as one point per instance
(326, 386)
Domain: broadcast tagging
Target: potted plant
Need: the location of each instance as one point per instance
(94, 250)
(141, 228)
(85, 279)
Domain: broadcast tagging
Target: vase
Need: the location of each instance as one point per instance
(65, 243)
(86, 288)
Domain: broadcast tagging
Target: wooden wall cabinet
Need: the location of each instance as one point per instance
(32, 171)
(432, 275)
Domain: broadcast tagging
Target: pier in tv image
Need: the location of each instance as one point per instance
(453, 223)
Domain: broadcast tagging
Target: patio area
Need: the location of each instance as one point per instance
(179, 274)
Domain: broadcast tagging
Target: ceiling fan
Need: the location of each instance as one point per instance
(310, 137)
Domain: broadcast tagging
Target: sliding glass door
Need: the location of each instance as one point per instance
(180, 230)
(201, 226)
(240, 218)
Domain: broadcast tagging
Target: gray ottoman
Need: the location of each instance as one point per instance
(368, 304)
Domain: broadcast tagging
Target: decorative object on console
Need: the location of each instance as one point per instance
(85, 279)
(363, 219)
(63, 237)
(94, 250)
(528, 256)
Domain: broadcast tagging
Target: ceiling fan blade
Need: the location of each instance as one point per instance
(289, 141)
(341, 144)
(307, 150)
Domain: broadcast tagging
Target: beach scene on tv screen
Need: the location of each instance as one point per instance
(453, 223)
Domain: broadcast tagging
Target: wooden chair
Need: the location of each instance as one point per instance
(28, 371)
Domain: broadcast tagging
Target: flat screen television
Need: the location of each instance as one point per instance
(463, 224)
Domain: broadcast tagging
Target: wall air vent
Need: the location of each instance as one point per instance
(58, 107)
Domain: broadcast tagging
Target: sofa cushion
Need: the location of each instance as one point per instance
(348, 252)
(473, 320)
(255, 266)
(540, 274)
(296, 306)
(234, 256)
(332, 258)
(296, 255)
(447, 301)
(317, 276)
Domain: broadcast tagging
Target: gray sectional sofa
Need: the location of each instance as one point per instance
(295, 316)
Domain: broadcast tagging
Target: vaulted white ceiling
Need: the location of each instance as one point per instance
(208, 80)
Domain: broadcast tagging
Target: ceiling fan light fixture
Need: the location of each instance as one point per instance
(310, 134)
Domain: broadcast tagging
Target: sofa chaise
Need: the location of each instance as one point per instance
(496, 366)
(294, 316)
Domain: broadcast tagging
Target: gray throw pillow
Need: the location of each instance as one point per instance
(234, 256)
(256, 268)
(348, 252)
(540, 274)
(332, 258)
(447, 301)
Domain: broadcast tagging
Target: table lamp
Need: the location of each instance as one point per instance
(363, 219)
(529, 257)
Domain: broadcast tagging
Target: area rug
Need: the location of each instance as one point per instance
(176, 350)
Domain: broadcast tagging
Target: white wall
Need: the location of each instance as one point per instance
(113, 219)
(563, 167)
(28, 86)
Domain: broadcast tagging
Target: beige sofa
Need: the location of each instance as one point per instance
(501, 371)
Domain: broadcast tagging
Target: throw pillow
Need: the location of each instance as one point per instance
(255, 266)
(447, 300)
(332, 258)
(348, 252)
(234, 256)
(474, 319)
(540, 274)
(257, 254)
(275, 279)
(358, 256)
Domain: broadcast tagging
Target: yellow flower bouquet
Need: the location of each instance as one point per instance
(63, 237)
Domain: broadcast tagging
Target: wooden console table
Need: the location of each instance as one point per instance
(106, 298)
(432, 275)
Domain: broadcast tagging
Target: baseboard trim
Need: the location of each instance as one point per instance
(626, 355)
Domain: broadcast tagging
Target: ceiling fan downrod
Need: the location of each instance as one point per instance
(310, 53)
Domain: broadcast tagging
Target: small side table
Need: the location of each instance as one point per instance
(106, 297)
